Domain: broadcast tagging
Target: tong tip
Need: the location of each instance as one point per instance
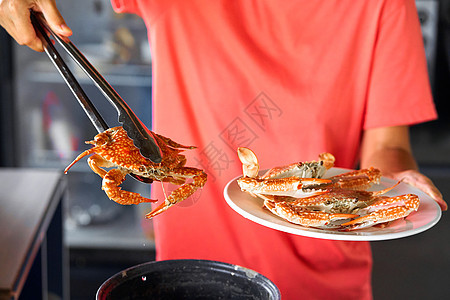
(145, 142)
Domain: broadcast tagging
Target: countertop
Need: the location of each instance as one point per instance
(28, 199)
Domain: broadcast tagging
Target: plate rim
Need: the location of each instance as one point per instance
(357, 235)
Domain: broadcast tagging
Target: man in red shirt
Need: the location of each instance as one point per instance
(290, 80)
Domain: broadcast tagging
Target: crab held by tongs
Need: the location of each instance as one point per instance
(128, 149)
(114, 149)
(299, 194)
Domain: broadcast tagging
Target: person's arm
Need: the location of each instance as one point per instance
(389, 149)
(15, 18)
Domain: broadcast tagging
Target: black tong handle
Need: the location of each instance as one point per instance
(143, 139)
(89, 108)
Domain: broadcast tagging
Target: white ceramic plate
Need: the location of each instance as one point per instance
(424, 218)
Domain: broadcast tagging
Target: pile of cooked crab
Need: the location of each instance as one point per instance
(301, 194)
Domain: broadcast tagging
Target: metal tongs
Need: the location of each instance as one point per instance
(143, 139)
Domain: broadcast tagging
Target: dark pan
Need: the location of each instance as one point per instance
(188, 279)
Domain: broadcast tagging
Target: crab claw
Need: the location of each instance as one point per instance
(183, 192)
(291, 186)
(161, 208)
(385, 210)
(362, 222)
(298, 215)
(328, 160)
(250, 165)
(311, 187)
(357, 180)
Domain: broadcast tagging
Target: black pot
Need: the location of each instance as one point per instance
(188, 279)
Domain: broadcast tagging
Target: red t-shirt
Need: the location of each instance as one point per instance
(290, 80)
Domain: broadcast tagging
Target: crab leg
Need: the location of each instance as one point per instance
(172, 143)
(385, 210)
(99, 140)
(95, 162)
(183, 192)
(347, 199)
(80, 156)
(110, 184)
(298, 215)
(360, 179)
(291, 186)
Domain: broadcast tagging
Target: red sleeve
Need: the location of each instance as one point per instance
(399, 90)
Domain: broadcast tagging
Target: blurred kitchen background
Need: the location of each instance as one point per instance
(42, 126)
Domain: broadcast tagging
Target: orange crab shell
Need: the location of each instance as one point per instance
(115, 146)
(119, 149)
(114, 149)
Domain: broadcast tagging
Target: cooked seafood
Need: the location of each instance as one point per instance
(114, 149)
(299, 194)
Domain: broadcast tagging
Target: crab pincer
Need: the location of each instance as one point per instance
(305, 217)
(301, 179)
(291, 186)
(384, 210)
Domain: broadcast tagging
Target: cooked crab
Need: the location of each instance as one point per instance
(114, 149)
(336, 202)
(383, 211)
(300, 179)
(337, 208)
